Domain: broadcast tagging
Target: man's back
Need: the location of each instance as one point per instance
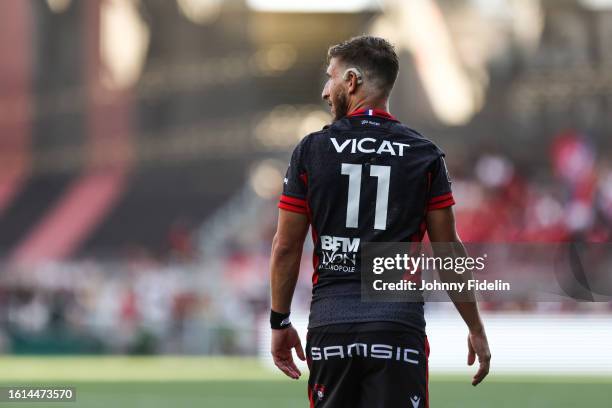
(365, 178)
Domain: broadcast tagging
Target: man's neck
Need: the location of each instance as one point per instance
(369, 104)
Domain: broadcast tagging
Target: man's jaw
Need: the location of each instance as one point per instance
(341, 106)
(332, 110)
(337, 108)
(338, 114)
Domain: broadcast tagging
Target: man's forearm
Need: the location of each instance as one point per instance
(446, 243)
(465, 303)
(284, 271)
(470, 315)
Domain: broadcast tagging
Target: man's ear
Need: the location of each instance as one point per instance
(354, 78)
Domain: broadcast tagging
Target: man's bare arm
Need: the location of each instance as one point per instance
(287, 248)
(284, 270)
(441, 228)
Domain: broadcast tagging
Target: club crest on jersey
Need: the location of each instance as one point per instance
(370, 145)
(339, 253)
(319, 391)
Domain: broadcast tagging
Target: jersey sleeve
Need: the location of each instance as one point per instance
(295, 184)
(440, 193)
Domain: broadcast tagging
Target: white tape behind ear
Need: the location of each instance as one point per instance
(355, 72)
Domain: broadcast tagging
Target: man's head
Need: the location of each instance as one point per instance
(362, 69)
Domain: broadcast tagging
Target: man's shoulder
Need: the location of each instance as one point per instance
(318, 134)
(413, 134)
(314, 137)
(419, 143)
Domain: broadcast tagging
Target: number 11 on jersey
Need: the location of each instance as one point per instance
(382, 174)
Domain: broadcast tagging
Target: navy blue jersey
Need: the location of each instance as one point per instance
(364, 178)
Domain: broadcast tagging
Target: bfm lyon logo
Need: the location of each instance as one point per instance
(319, 391)
(339, 253)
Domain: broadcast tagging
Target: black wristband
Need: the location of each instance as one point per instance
(279, 321)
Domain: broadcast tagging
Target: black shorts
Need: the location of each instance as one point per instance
(373, 365)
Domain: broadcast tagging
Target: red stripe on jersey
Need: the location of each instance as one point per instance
(298, 202)
(315, 236)
(426, 372)
(290, 207)
(315, 258)
(439, 198)
(304, 178)
(310, 399)
(442, 204)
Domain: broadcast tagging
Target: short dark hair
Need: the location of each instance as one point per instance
(374, 55)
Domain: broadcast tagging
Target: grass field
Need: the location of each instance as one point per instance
(229, 383)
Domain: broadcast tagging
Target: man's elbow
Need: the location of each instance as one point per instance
(283, 248)
(447, 236)
(456, 239)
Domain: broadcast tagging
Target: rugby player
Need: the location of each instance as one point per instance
(364, 178)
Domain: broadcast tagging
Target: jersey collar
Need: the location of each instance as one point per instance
(372, 112)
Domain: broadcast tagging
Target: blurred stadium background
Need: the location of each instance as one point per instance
(142, 149)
